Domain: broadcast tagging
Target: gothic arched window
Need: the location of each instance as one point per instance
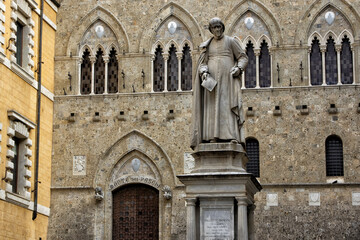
(250, 71)
(264, 65)
(113, 70)
(252, 150)
(334, 156)
(346, 62)
(86, 73)
(331, 62)
(315, 63)
(173, 67)
(158, 70)
(186, 69)
(99, 73)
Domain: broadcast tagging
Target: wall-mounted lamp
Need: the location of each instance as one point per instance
(143, 77)
(10, 40)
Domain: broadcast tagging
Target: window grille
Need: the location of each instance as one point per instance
(250, 71)
(252, 149)
(113, 69)
(173, 67)
(315, 63)
(331, 63)
(334, 156)
(186, 69)
(346, 62)
(264, 68)
(158, 70)
(99, 73)
(86, 73)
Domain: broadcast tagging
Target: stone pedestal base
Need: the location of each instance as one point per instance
(219, 193)
(219, 157)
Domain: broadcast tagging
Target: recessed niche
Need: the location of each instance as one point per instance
(71, 117)
(170, 114)
(277, 110)
(121, 116)
(332, 109)
(145, 115)
(304, 110)
(96, 117)
(250, 112)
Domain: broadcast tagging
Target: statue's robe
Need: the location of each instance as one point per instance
(218, 114)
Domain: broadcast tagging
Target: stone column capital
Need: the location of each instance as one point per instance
(190, 201)
(257, 51)
(92, 59)
(338, 47)
(322, 48)
(242, 201)
(166, 56)
(106, 58)
(179, 55)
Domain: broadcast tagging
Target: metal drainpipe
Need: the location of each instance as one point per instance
(38, 109)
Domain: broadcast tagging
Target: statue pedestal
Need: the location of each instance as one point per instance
(219, 193)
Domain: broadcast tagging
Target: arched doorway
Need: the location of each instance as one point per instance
(136, 213)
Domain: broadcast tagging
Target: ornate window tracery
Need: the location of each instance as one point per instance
(172, 81)
(99, 72)
(113, 70)
(158, 70)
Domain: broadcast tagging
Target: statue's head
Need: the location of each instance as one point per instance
(216, 27)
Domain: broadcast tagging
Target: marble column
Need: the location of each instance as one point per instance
(338, 50)
(257, 55)
(152, 58)
(242, 218)
(190, 218)
(92, 60)
(309, 66)
(323, 51)
(106, 61)
(179, 56)
(166, 58)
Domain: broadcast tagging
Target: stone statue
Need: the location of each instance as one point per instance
(217, 103)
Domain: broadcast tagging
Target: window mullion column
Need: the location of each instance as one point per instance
(257, 55)
(309, 66)
(166, 58)
(338, 50)
(92, 60)
(353, 61)
(271, 70)
(106, 61)
(323, 51)
(179, 56)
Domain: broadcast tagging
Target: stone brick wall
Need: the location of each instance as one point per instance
(292, 144)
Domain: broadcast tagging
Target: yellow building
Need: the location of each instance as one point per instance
(24, 209)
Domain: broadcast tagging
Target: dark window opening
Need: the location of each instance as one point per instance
(315, 63)
(113, 69)
(331, 62)
(252, 150)
(264, 67)
(99, 81)
(250, 71)
(19, 43)
(173, 67)
(186, 69)
(346, 62)
(14, 181)
(86, 73)
(334, 156)
(158, 70)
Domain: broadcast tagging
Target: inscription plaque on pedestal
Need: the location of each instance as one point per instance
(217, 219)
